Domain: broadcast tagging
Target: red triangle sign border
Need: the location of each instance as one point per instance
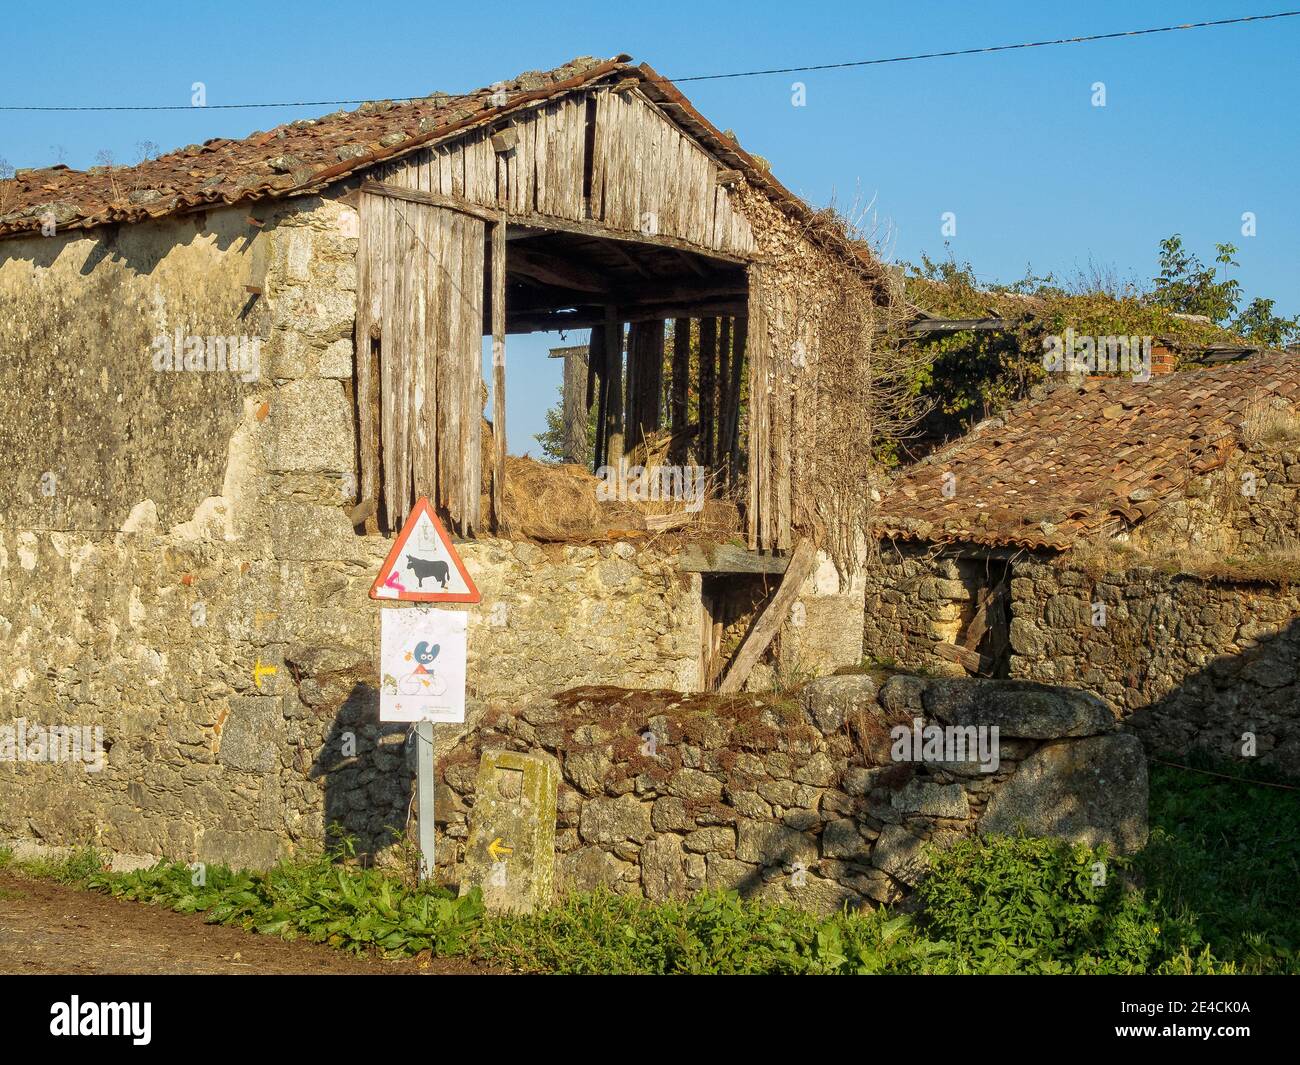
(390, 564)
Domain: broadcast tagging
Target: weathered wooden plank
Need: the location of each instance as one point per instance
(759, 464)
(367, 391)
(498, 372)
(451, 203)
(597, 350)
(969, 660)
(769, 623)
(727, 558)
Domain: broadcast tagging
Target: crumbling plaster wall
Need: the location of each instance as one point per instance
(88, 427)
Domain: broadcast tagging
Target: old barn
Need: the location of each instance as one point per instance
(232, 369)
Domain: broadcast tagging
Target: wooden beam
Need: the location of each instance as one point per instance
(498, 373)
(556, 270)
(727, 558)
(453, 203)
(963, 656)
(587, 318)
(769, 623)
(547, 295)
(602, 232)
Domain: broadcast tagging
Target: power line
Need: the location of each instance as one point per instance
(993, 48)
(988, 49)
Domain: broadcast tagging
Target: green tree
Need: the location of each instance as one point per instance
(1187, 286)
(552, 438)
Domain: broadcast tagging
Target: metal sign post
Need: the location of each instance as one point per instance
(422, 651)
(425, 784)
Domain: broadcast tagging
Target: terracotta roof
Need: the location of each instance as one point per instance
(1097, 457)
(304, 156)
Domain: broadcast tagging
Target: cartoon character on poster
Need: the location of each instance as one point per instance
(423, 679)
(422, 665)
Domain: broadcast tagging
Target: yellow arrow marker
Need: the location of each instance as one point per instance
(495, 849)
(260, 671)
(263, 615)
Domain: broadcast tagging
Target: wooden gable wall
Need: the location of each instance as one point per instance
(602, 156)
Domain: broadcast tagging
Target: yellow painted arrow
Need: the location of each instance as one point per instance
(495, 849)
(259, 671)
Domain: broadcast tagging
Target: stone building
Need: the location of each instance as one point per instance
(229, 372)
(1137, 539)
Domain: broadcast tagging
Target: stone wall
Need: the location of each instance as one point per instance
(802, 800)
(915, 596)
(157, 639)
(88, 426)
(193, 585)
(1190, 662)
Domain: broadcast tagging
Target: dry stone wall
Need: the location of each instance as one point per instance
(803, 800)
(1189, 662)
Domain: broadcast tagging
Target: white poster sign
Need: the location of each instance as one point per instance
(422, 664)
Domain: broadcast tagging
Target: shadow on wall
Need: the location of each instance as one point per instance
(368, 774)
(1243, 706)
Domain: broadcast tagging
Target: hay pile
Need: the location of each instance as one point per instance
(557, 503)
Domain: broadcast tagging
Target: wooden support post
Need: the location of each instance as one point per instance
(645, 361)
(577, 406)
(653, 361)
(597, 373)
(732, 443)
(613, 387)
(632, 390)
(708, 384)
(498, 373)
(680, 383)
(724, 392)
(770, 621)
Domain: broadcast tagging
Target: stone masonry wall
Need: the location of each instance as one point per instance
(1189, 662)
(201, 595)
(802, 801)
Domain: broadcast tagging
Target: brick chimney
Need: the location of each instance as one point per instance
(1163, 360)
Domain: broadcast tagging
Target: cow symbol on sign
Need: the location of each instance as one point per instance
(425, 567)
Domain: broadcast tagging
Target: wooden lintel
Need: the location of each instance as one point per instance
(603, 232)
(585, 319)
(727, 558)
(454, 203)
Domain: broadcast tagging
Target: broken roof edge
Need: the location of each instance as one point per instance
(946, 539)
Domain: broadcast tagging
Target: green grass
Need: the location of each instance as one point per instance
(1215, 892)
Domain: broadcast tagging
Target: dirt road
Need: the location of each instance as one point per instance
(46, 928)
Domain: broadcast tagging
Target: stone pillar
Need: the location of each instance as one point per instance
(510, 853)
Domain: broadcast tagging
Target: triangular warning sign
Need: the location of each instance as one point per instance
(423, 566)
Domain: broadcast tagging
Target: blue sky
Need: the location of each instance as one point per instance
(1198, 127)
